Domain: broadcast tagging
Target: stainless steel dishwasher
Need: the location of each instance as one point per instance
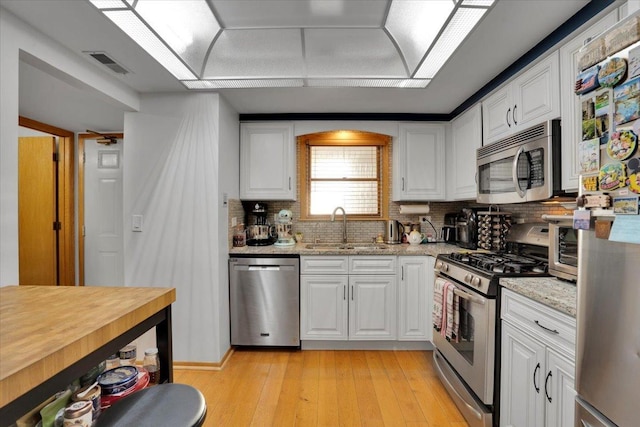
(264, 295)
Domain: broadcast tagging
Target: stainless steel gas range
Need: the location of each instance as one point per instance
(466, 318)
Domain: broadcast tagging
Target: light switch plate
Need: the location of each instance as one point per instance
(136, 223)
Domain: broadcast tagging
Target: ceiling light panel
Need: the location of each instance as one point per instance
(139, 32)
(188, 27)
(256, 54)
(457, 30)
(483, 3)
(242, 84)
(108, 4)
(380, 83)
(414, 24)
(299, 13)
(365, 53)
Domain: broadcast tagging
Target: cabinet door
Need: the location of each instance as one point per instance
(536, 93)
(418, 168)
(466, 138)
(267, 161)
(522, 377)
(372, 307)
(560, 393)
(570, 102)
(323, 307)
(497, 120)
(415, 296)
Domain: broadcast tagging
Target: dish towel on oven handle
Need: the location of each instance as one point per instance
(438, 303)
(450, 318)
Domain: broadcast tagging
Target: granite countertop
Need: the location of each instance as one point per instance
(432, 249)
(549, 291)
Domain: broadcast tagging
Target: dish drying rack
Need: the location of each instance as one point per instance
(493, 227)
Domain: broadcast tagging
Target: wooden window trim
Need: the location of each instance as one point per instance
(348, 138)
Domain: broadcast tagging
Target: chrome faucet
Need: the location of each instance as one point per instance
(344, 222)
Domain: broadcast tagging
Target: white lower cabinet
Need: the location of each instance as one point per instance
(415, 297)
(358, 303)
(538, 364)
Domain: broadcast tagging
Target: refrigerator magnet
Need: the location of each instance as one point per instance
(612, 72)
(587, 81)
(622, 145)
(611, 176)
(626, 205)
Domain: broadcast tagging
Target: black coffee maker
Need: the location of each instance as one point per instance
(449, 233)
(467, 229)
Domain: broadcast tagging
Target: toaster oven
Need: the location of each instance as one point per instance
(563, 247)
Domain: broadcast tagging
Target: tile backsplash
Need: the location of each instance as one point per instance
(365, 231)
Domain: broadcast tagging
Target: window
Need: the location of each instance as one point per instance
(344, 168)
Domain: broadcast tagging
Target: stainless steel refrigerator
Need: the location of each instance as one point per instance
(608, 336)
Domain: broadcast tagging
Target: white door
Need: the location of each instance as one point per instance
(103, 241)
(560, 393)
(522, 379)
(536, 94)
(497, 115)
(414, 310)
(372, 307)
(323, 307)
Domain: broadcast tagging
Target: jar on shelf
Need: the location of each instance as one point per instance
(151, 364)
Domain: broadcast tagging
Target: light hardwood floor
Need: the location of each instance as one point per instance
(324, 388)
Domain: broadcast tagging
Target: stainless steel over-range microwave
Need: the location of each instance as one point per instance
(524, 167)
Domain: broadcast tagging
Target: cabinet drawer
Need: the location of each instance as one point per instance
(555, 329)
(372, 265)
(324, 265)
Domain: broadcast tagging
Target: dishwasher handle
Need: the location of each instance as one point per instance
(263, 267)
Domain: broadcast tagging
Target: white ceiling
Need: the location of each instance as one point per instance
(509, 30)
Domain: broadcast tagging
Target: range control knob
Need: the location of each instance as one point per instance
(475, 282)
(445, 267)
(439, 265)
(467, 278)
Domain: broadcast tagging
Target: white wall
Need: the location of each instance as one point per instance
(18, 38)
(180, 156)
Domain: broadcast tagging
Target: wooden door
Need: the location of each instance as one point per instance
(37, 183)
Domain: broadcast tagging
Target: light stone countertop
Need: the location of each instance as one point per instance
(432, 249)
(549, 291)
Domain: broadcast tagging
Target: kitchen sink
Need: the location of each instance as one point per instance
(347, 246)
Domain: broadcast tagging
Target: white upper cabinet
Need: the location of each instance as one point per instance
(532, 97)
(466, 138)
(267, 161)
(571, 108)
(419, 162)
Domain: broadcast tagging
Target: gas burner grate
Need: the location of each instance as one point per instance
(501, 263)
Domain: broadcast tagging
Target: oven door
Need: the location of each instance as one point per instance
(471, 354)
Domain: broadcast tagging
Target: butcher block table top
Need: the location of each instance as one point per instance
(45, 329)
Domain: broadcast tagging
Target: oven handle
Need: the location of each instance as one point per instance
(467, 296)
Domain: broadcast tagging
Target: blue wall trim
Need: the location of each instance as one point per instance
(590, 10)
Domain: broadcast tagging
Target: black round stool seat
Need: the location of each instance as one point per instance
(170, 405)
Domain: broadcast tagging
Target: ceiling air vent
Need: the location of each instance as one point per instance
(107, 61)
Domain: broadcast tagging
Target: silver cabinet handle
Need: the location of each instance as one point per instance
(289, 183)
(402, 273)
(402, 184)
(352, 293)
(553, 331)
(344, 292)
